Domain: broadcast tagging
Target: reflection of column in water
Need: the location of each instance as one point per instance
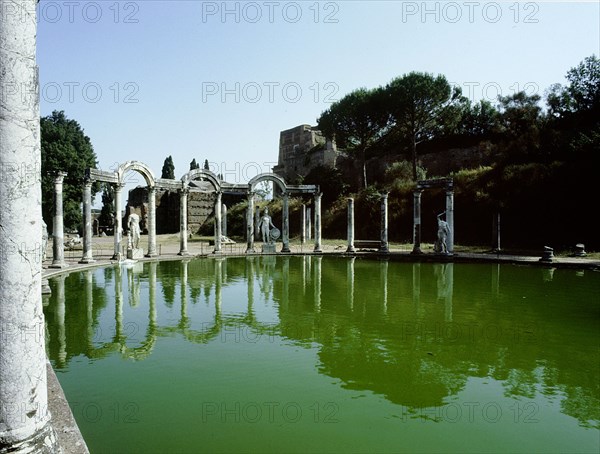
(350, 282)
(308, 267)
(317, 283)
(286, 282)
(496, 280)
(548, 274)
(89, 304)
(60, 319)
(118, 305)
(250, 283)
(416, 285)
(449, 293)
(304, 258)
(224, 271)
(218, 283)
(152, 293)
(183, 292)
(133, 287)
(383, 275)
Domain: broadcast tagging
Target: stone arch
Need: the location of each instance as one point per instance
(201, 174)
(139, 167)
(268, 177)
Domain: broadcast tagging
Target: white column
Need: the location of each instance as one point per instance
(24, 419)
(58, 236)
(308, 224)
(286, 223)
(417, 222)
(450, 220)
(384, 247)
(218, 223)
(318, 222)
(350, 225)
(303, 224)
(87, 223)
(250, 224)
(224, 220)
(117, 188)
(151, 222)
(183, 231)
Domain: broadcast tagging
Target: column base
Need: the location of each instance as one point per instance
(318, 249)
(43, 442)
(250, 251)
(384, 250)
(151, 255)
(86, 261)
(58, 265)
(351, 249)
(416, 251)
(285, 250)
(184, 253)
(116, 256)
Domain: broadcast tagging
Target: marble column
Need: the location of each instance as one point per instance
(218, 223)
(286, 223)
(308, 224)
(256, 224)
(384, 246)
(58, 236)
(250, 224)
(417, 222)
(24, 419)
(117, 188)
(224, 220)
(151, 222)
(303, 224)
(318, 222)
(183, 223)
(350, 225)
(450, 220)
(87, 223)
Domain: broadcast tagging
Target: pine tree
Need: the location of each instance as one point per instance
(168, 169)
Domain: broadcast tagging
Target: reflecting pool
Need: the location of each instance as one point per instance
(328, 354)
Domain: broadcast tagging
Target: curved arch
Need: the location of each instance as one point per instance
(139, 167)
(268, 177)
(201, 174)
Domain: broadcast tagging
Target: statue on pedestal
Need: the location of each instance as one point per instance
(442, 235)
(264, 224)
(133, 224)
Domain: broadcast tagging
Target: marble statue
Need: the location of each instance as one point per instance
(442, 235)
(264, 224)
(133, 224)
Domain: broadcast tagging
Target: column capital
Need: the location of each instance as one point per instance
(184, 191)
(384, 195)
(151, 189)
(59, 176)
(318, 195)
(117, 186)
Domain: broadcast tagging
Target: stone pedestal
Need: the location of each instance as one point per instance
(547, 255)
(580, 250)
(135, 253)
(268, 248)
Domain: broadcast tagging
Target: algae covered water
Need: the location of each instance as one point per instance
(324, 354)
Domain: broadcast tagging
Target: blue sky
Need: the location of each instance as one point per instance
(220, 80)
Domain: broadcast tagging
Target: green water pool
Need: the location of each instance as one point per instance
(324, 354)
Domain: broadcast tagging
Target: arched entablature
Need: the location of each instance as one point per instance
(203, 175)
(276, 179)
(139, 167)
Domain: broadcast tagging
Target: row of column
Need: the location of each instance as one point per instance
(383, 244)
(417, 221)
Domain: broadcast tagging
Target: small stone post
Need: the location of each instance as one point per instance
(58, 236)
(118, 221)
(87, 223)
(250, 224)
(417, 222)
(183, 231)
(286, 223)
(450, 220)
(350, 225)
(318, 196)
(24, 419)
(384, 247)
(151, 222)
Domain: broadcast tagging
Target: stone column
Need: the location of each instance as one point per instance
(350, 225)
(303, 224)
(58, 237)
(450, 220)
(256, 223)
(151, 222)
(183, 231)
(24, 419)
(218, 223)
(224, 220)
(318, 222)
(308, 224)
(117, 188)
(384, 247)
(250, 224)
(87, 223)
(286, 223)
(417, 222)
